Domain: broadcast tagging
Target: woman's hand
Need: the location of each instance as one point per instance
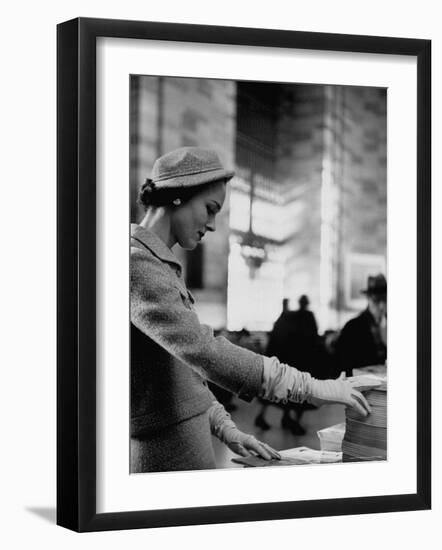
(223, 427)
(285, 384)
(246, 445)
(341, 391)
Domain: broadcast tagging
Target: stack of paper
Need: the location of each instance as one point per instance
(331, 438)
(367, 436)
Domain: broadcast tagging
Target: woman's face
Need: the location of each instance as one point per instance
(191, 220)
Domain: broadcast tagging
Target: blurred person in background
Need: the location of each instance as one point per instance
(293, 340)
(363, 340)
(173, 356)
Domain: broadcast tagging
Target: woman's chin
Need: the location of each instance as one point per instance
(190, 244)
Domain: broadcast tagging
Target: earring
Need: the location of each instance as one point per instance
(177, 202)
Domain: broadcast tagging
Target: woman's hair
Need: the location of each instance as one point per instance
(150, 195)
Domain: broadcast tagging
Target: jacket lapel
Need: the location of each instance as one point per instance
(154, 244)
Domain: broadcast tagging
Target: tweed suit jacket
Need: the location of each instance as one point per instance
(172, 354)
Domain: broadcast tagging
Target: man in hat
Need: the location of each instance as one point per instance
(363, 341)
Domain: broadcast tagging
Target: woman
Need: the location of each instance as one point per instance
(173, 413)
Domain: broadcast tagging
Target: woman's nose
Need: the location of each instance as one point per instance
(211, 226)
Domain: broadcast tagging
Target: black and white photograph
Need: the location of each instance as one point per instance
(203, 206)
(258, 274)
(233, 204)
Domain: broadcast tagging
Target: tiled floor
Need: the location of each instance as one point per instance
(279, 438)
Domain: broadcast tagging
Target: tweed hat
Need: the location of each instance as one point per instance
(376, 285)
(187, 167)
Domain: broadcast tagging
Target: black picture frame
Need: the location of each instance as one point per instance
(76, 273)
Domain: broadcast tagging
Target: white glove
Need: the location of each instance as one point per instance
(283, 384)
(223, 427)
(337, 391)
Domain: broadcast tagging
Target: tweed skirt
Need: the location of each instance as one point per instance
(183, 446)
